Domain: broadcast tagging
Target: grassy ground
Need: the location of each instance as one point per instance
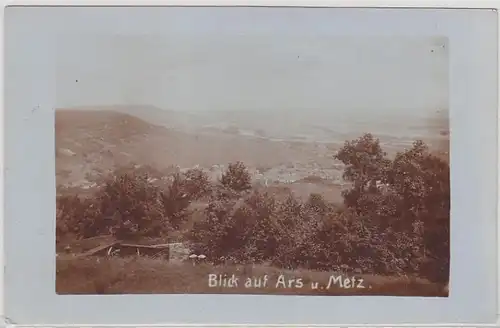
(139, 275)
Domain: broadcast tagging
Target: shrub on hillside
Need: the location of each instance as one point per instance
(297, 223)
(197, 183)
(259, 228)
(238, 230)
(129, 206)
(175, 200)
(237, 177)
(73, 215)
(211, 234)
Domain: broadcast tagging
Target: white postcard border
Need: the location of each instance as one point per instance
(30, 167)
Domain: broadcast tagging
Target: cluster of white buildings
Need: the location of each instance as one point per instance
(283, 174)
(291, 174)
(286, 174)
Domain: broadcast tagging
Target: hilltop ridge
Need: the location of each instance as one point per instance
(93, 142)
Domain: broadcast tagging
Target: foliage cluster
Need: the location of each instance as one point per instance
(395, 218)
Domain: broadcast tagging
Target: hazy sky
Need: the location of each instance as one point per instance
(258, 63)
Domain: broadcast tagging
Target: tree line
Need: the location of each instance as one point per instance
(395, 217)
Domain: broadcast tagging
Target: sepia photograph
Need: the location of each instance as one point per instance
(225, 165)
(277, 163)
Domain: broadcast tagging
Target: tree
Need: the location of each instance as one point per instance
(76, 217)
(215, 233)
(176, 200)
(238, 230)
(197, 183)
(237, 177)
(70, 212)
(365, 165)
(423, 181)
(407, 219)
(131, 207)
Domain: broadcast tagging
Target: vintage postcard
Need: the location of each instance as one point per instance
(263, 151)
(273, 164)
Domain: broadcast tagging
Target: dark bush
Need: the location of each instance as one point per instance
(237, 177)
(175, 201)
(197, 183)
(75, 215)
(411, 211)
(131, 207)
(238, 230)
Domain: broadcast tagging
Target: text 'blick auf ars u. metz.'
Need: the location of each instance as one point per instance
(285, 282)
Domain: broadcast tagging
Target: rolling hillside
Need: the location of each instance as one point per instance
(92, 142)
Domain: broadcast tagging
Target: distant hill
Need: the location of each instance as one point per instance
(158, 116)
(147, 113)
(93, 141)
(109, 123)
